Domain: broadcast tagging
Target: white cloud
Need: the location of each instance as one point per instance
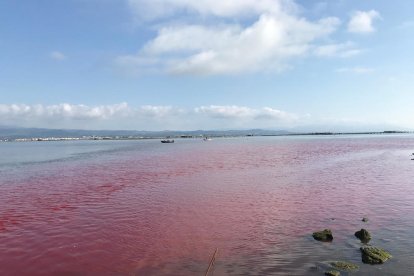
(245, 113)
(152, 111)
(275, 114)
(342, 50)
(356, 70)
(362, 21)
(225, 112)
(56, 55)
(269, 44)
(148, 117)
(62, 111)
(155, 9)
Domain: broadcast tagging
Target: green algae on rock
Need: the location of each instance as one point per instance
(345, 266)
(325, 235)
(363, 235)
(332, 273)
(374, 255)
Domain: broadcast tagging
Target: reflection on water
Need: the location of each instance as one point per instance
(146, 208)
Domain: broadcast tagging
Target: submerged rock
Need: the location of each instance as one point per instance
(374, 255)
(364, 219)
(345, 266)
(332, 273)
(363, 235)
(325, 235)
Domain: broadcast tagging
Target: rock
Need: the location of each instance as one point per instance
(364, 219)
(363, 235)
(325, 235)
(332, 273)
(345, 266)
(374, 255)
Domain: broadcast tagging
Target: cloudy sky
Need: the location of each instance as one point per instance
(335, 65)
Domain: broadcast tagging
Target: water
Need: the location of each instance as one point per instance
(146, 208)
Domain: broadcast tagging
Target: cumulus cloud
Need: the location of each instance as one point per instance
(225, 112)
(62, 111)
(152, 111)
(72, 112)
(245, 113)
(276, 36)
(143, 117)
(56, 55)
(156, 9)
(362, 21)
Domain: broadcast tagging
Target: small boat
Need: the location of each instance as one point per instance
(167, 141)
(206, 139)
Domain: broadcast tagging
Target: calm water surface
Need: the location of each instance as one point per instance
(146, 208)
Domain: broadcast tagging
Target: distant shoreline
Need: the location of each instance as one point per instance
(123, 138)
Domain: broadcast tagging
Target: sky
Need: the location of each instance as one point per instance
(337, 65)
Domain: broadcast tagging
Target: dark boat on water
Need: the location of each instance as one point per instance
(167, 141)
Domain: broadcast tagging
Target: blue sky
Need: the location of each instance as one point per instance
(207, 64)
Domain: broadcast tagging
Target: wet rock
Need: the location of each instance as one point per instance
(363, 235)
(364, 219)
(345, 266)
(325, 235)
(332, 273)
(374, 255)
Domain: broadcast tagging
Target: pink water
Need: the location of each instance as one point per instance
(146, 208)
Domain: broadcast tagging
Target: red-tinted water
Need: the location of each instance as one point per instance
(163, 209)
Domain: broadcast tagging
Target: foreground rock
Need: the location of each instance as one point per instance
(332, 273)
(363, 235)
(374, 255)
(345, 266)
(325, 235)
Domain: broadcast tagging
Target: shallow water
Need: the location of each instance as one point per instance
(146, 208)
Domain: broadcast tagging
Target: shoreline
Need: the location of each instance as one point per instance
(201, 136)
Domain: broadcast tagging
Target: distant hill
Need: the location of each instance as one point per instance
(16, 133)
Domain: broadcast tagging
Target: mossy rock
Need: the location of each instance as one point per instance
(374, 255)
(363, 235)
(332, 273)
(344, 266)
(325, 235)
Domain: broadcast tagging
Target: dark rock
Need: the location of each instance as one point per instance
(345, 266)
(364, 219)
(374, 255)
(325, 235)
(332, 273)
(363, 235)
